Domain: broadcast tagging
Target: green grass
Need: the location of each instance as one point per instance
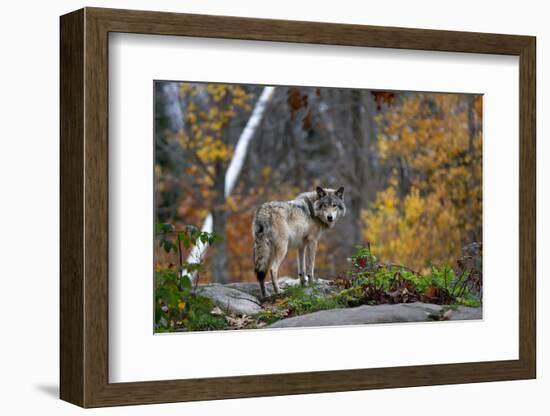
(302, 300)
(298, 300)
(199, 317)
(178, 307)
(270, 316)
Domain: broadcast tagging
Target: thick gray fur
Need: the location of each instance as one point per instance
(299, 224)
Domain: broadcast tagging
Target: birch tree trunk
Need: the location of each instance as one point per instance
(215, 220)
(173, 106)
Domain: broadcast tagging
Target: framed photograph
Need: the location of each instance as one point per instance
(255, 207)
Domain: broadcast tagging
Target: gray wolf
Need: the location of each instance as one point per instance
(299, 224)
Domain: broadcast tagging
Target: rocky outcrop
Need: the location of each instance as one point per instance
(231, 300)
(253, 288)
(244, 299)
(380, 314)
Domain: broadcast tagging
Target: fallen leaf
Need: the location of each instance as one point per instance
(217, 311)
(447, 314)
(239, 322)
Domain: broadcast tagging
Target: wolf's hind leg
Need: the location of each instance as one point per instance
(261, 278)
(311, 249)
(280, 254)
(301, 265)
(276, 288)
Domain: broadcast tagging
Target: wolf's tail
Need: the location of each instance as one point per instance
(262, 247)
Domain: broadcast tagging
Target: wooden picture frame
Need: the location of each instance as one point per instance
(84, 207)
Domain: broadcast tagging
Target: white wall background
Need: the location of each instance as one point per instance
(29, 158)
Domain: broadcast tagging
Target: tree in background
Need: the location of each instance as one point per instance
(410, 162)
(432, 203)
(212, 120)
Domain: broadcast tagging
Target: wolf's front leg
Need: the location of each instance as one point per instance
(301, 265)
(311, 249)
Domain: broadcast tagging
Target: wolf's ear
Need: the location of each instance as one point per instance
(340, 192)
(321, 192)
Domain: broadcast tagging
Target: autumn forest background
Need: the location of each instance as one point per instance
(410, 162)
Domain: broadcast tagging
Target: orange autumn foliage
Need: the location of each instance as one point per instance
(432, 206)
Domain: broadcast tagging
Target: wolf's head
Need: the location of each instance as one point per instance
(329, 206)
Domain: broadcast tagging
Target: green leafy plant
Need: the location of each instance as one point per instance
(177, 305)
(177, 241)
(302, 300)
(372, 282)
(272, 315)
(298, 300)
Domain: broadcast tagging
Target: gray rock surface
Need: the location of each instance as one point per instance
(244, 299)
(231, 300)
(253, 288)
(463, 313)
(377, 314)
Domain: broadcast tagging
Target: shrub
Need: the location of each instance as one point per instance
(177, 305)
(371, 282)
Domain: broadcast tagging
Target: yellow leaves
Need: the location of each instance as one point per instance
(426, 129)
(231, 203)
(414, 206)
(186, 88)
(206, 182)
(408, 138)
(383, 148)
(388, 200)
(235, 93)
(419, 230)
(239, 92)
(266, 172)
(217, 91)
(191, 117)
(216, 125)
(191, 170)
(478, 143)
(183, 139)
(478, 105)
(206, 120)
(214, 149)
(213, 112)
(428, 134)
